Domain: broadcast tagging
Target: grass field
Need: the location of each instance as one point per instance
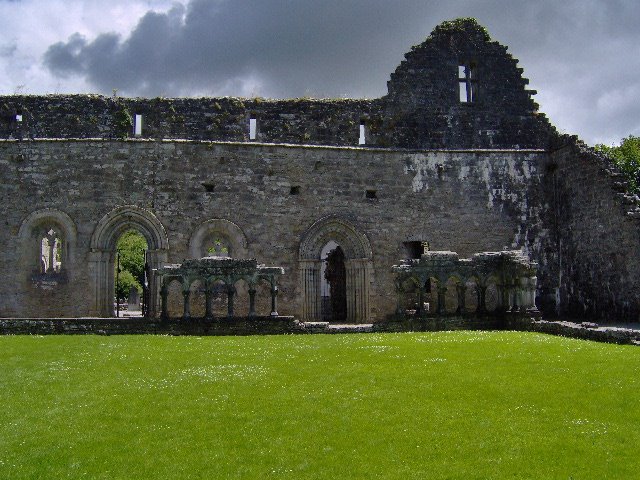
(435, 405)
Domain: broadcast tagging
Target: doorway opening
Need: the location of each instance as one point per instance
(333, 287)
(131, 275)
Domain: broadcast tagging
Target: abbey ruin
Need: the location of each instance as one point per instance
(455, 158)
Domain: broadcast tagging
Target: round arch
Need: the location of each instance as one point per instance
(232, 233)
(354, 243)
(103, 244)
(358, 264)
(30, 237)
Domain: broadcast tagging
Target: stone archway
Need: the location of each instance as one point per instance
(103, 244)
(357, 260)
(30, 236)
(232, 234)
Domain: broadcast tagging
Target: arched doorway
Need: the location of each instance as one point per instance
(131, 274)
(354, 257)
(333, 286)
(102, 257)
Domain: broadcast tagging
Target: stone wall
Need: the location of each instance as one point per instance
(466, 201)
(470, 173)
(593, 254)
(422, 109)
(136, 326)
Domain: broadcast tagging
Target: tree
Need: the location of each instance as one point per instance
(131, 247)
(125, 282)
(627, 157)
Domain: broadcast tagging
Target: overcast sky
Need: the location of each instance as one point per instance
(583, 56)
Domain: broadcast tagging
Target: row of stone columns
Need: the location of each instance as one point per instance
(231, 293)
(515, 296)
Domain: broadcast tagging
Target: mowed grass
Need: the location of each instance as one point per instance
(429, 405)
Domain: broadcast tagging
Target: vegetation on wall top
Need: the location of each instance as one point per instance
(627, 157)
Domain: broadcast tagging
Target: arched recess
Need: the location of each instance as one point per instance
(229, 232)
(31, 233)
(102, 256)
(358, 258)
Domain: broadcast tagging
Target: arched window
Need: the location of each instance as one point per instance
(218, 238)
(51, 251)
(47, 240)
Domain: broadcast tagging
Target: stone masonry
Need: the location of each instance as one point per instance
(455, 155)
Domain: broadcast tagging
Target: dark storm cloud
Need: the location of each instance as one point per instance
(579, 52)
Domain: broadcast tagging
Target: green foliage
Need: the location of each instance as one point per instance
(458, 405)
(131, 247)
(461, 25)
(218, 248)
(123, 122)
(627, 157)
(123, 286)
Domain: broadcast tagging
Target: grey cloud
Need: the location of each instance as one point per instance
(8, 49)
(577, 51)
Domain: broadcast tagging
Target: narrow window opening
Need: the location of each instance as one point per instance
(208, 187)
(253, 127)
(362, 140)
(19, 117)
(371, 194)
(137, 125)
(467, 83)
(51, 252)
(295, 190)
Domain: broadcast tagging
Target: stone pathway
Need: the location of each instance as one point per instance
(326, 327)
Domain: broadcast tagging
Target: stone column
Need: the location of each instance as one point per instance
(420, 310)
(274, 298)
(442, 295)
(516, 295)
(101, 271)
(155, 259)
(208, 298)
(481, 292)
(252, 302)
(187, 304)
(51, 240)
(400, 297)
(357, 290)
(528, 292)
(461, 290)
(310, 279)
(164, 294)
(231, 291)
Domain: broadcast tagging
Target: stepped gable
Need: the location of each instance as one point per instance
(426, 104)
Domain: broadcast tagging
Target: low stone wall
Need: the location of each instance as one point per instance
(583, 331)
(289, 325)
(439, 323)
(137, 325)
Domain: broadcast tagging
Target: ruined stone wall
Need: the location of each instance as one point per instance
(593, 255)
(465, 201)
(297, 121)
(422, 109)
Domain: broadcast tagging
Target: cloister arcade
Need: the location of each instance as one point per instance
(509, 273)
(214, 271)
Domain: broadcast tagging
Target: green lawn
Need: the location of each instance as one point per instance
(433, 405)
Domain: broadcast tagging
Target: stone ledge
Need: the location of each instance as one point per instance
(138, 325)
(583, 331)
